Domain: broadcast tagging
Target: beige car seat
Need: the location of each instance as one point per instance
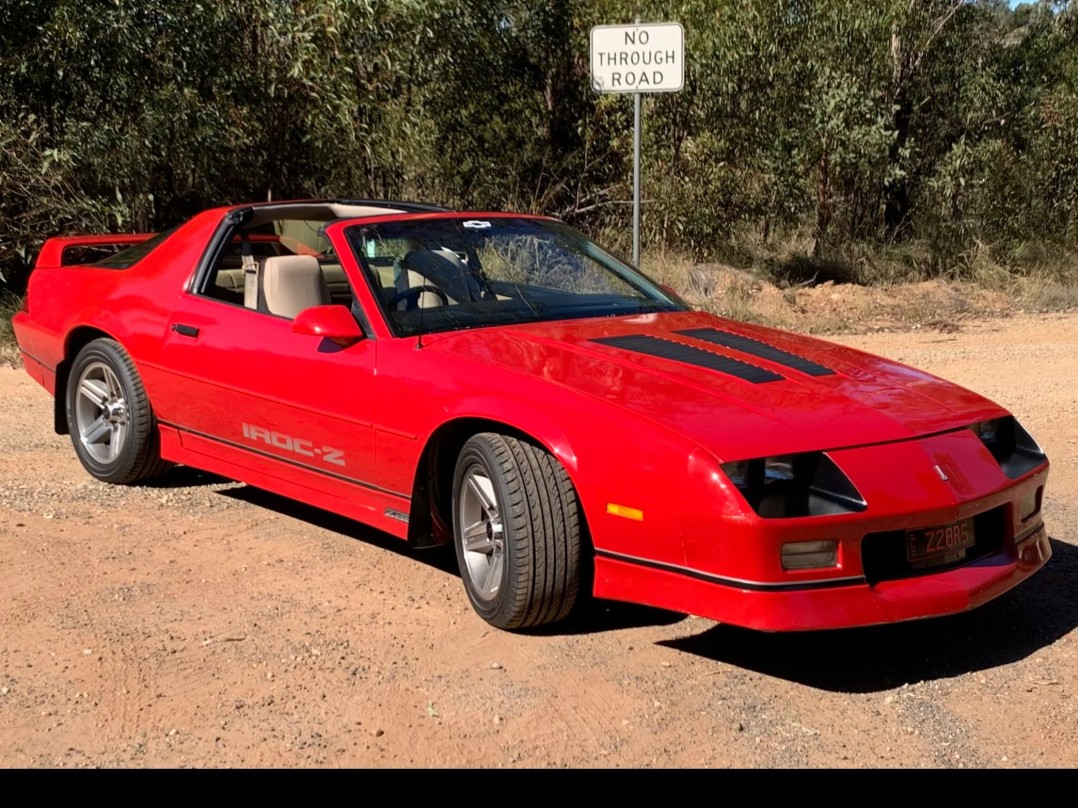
(288, 284)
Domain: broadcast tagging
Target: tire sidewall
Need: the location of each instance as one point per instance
(108, 353)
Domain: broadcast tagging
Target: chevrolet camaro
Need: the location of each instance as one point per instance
(502, 383)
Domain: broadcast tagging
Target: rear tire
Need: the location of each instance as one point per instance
(517, 532)
(109, 416)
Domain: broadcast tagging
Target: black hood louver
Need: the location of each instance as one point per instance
(689, 355)
(754, 347)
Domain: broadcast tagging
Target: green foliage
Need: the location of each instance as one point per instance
(9, 304)
(942, 123)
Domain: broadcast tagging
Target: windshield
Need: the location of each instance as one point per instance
(443, 274)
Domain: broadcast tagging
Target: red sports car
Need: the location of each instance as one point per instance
(501, 382)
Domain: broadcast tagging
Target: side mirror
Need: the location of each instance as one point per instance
(334, 323)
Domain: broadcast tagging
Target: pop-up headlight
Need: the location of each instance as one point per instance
(1012, 447)
(785, 486)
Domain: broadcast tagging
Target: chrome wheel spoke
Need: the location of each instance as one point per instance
(479, 539)
(97, 432)
(493, 579)
(96, 391)
(119, 433)
(115, 391)
(483, 489)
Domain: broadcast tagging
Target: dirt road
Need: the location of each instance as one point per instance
(205, 623)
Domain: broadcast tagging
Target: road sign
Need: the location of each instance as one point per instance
(637, 59)
(640, 58)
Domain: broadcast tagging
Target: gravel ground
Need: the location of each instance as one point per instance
(204, 623)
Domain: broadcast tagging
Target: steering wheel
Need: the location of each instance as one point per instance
(412, 296)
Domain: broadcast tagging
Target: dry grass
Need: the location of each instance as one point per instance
(1048, 290)
(830, 307)
(777, 281)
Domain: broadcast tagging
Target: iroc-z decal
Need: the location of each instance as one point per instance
(300, 446)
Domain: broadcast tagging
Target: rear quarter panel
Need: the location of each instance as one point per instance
(129, 305)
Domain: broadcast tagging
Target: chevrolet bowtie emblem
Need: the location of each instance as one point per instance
(942, 474)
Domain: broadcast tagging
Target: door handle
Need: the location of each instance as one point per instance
(185, 330)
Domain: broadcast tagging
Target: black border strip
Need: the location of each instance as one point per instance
(690, 355)
(285, 460)
(41, 362)
(734, 583)
(757, 348)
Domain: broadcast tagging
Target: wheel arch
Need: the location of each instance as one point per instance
(430, 520)
(76, 339)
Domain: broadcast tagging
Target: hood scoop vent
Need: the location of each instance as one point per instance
(752, 347)
(687, 354)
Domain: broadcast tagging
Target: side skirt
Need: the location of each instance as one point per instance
(375, 508)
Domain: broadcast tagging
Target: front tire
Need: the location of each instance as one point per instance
(517, 532)
(109, 416)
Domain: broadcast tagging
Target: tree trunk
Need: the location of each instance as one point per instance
(823, 204)
(896, 192)
(907, 59)
(561, 89)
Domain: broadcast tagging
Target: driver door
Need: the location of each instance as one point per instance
(241, 387)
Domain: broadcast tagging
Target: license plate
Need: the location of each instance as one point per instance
(939, 544)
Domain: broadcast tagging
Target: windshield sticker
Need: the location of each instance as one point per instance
(476, 224)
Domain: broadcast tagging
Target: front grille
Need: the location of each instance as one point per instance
(883, 555)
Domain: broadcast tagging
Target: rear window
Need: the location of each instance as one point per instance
(83, 254)
(129, 256)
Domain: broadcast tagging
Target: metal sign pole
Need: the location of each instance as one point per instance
(636, 179)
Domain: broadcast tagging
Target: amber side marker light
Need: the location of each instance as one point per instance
(625, 512)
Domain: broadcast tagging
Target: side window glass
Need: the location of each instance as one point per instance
(278, 267)
(227, 279)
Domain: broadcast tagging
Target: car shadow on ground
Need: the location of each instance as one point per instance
(440, 558)
(1028, 618)
(594, 616)
(185, 477)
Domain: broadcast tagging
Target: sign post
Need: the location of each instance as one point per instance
(637, 59)
(638, 135)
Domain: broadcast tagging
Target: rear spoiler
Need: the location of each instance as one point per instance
(66, 251)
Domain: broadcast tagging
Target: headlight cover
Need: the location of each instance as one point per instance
(788, 486)
(1012, 447)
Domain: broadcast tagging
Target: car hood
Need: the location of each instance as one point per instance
(736, 389)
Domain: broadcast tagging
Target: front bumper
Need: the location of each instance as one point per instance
(832, 605)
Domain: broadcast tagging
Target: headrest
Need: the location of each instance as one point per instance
(292, 283)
